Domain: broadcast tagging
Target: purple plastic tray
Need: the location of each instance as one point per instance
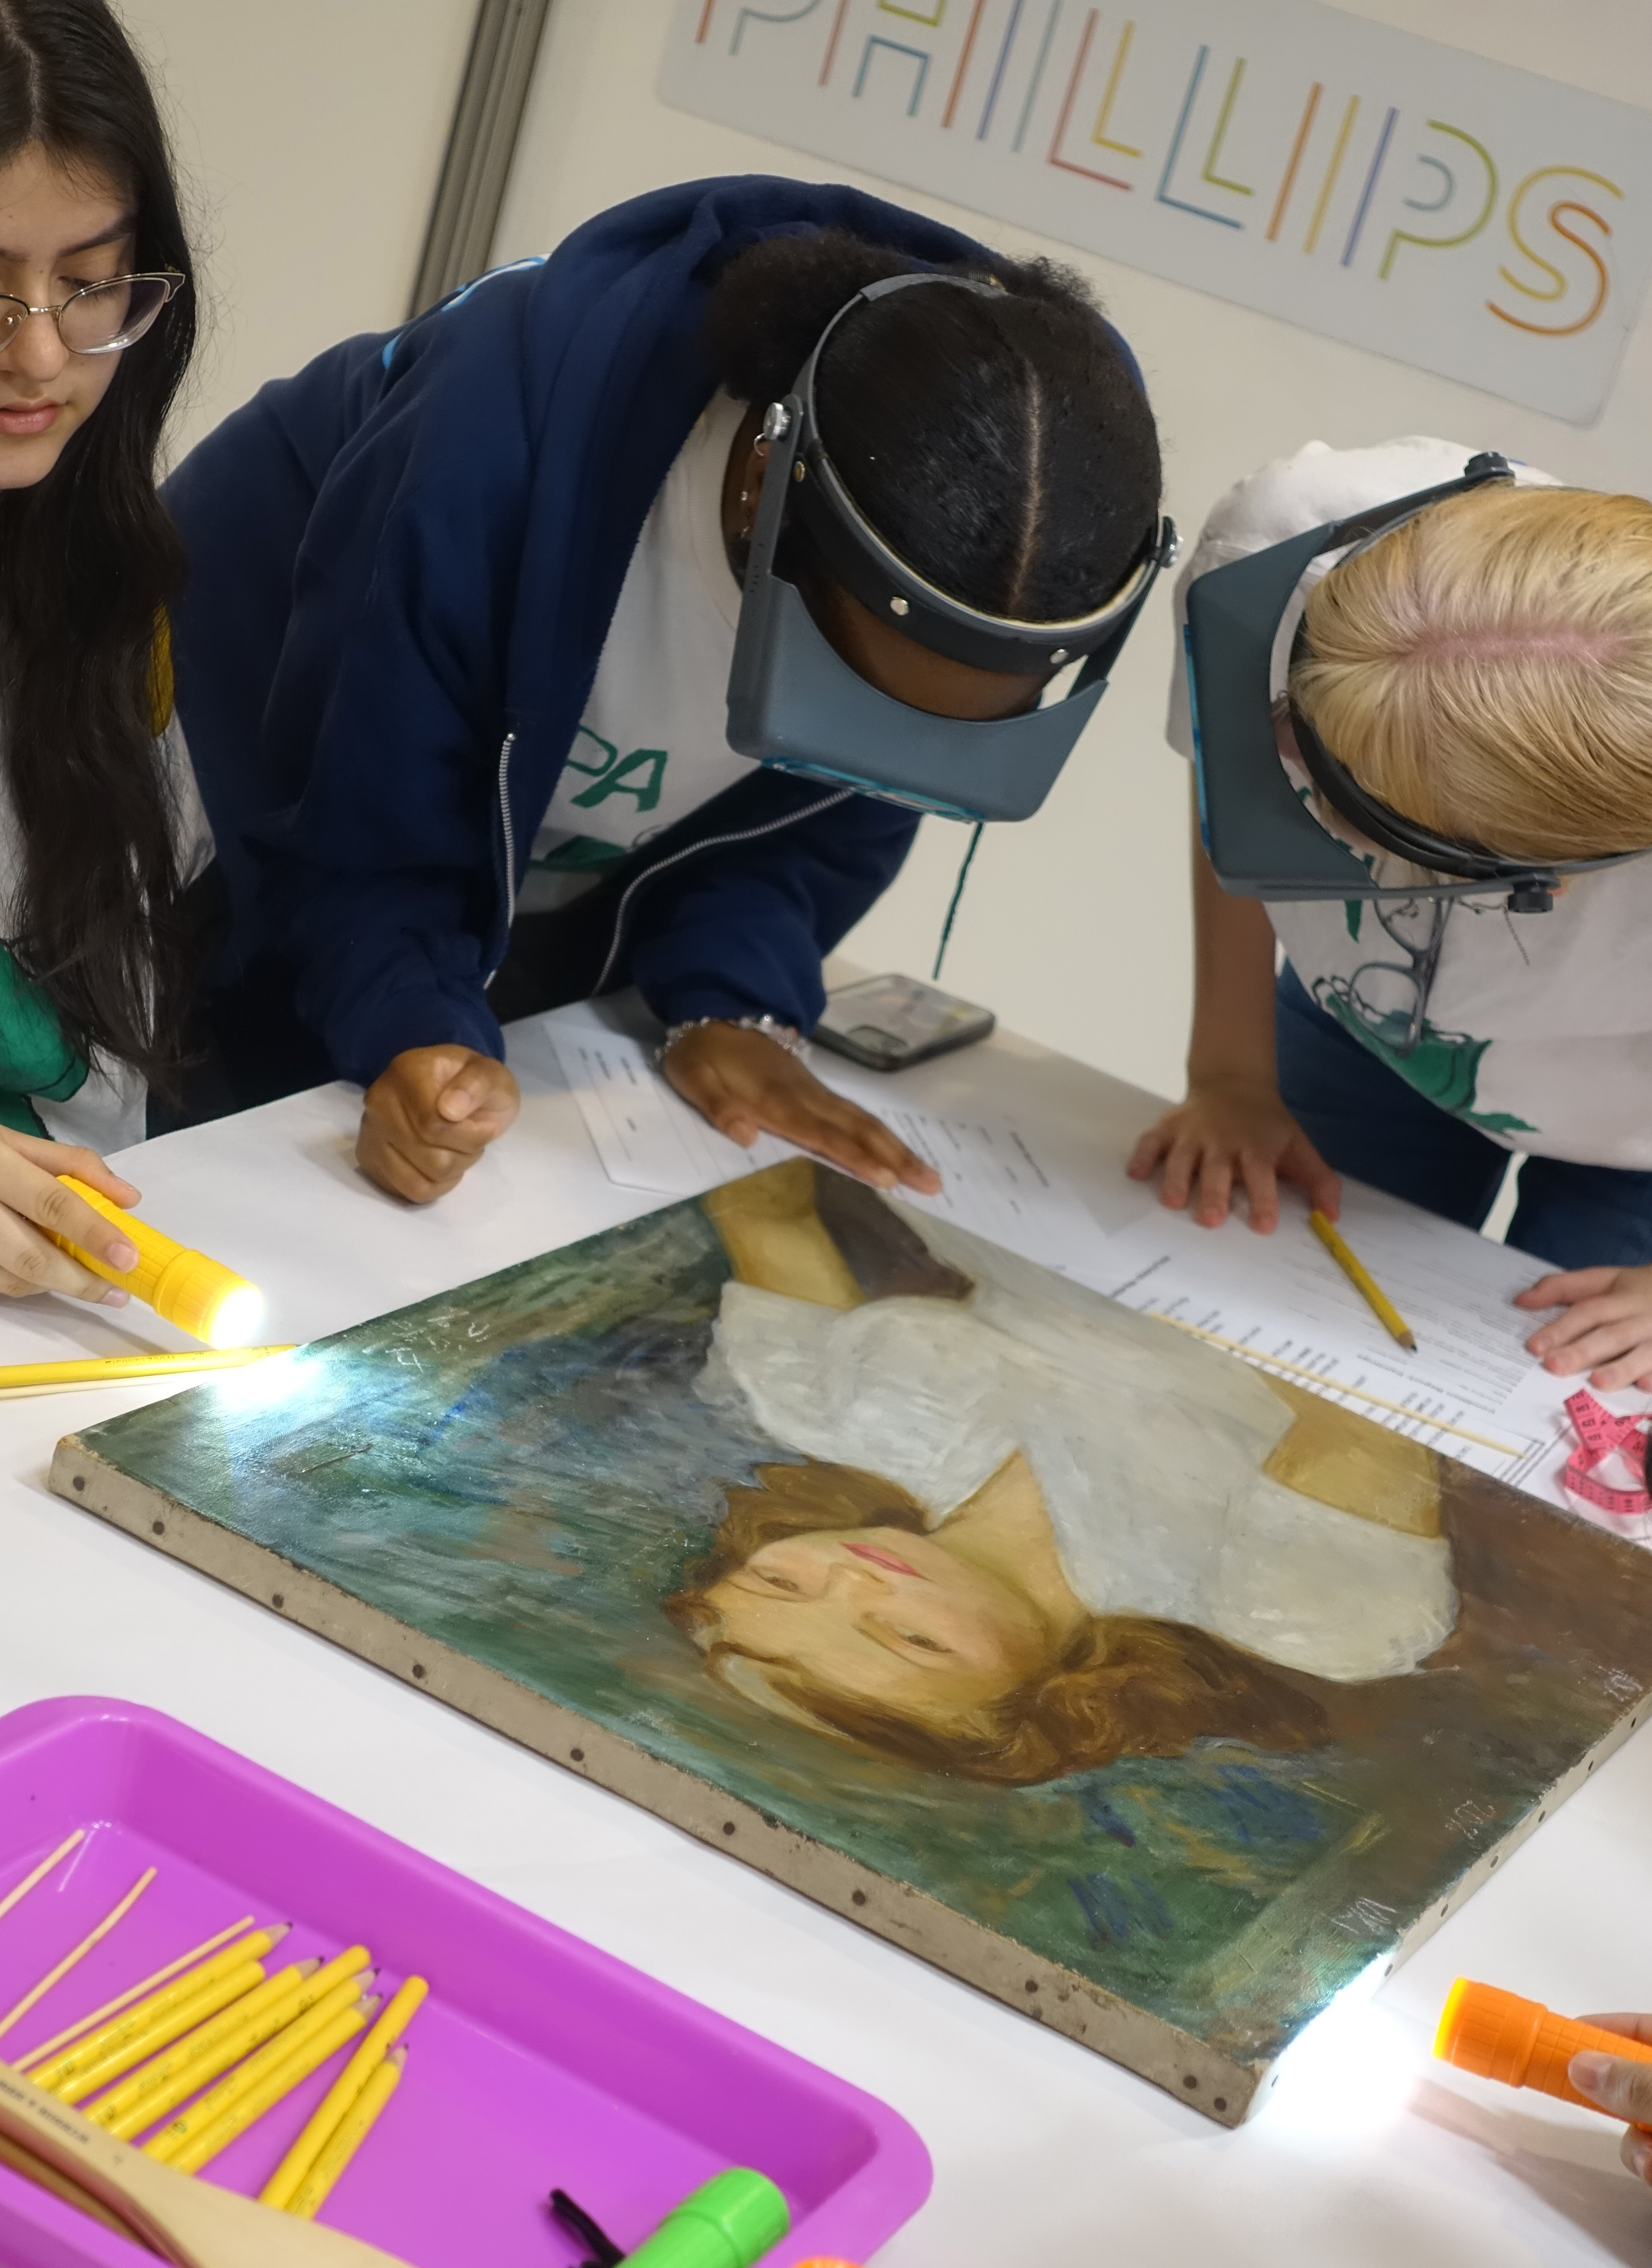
(537, 2062)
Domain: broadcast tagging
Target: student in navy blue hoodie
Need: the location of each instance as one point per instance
(452, 660)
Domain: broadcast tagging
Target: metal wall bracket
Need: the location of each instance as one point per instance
(488, 120)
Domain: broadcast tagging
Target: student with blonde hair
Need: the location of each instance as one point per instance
(1484, 669)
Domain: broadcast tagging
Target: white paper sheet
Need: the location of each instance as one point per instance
(647, 1137)
(995, 1181)
(1470, 1390)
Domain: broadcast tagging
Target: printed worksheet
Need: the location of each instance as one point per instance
(994, 1181)
(1280, 1301)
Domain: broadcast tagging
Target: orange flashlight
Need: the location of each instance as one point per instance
(1499, 2035)
(183, 1287)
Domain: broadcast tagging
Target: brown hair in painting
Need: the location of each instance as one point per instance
(995, 1693)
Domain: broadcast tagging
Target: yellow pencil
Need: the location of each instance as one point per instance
(200, 2055)
(282, 2184)
(173, 2141)
(275, 2087)
(185, 1960)
(122, 2047)
(108, 1370)
(154, 2088)
(348, 2137)
(1364, 1283)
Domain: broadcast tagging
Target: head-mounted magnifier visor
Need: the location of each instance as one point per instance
(1262, 838)
(795, 704)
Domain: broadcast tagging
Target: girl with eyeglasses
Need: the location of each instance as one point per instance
(100, 829)
(454, 659)
(1484, 668)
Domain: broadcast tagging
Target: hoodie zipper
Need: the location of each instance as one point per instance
(508, 829)
(691, 850)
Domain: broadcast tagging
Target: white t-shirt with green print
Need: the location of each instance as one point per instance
(652, 744)
(45, 1088)
(1538, 1025)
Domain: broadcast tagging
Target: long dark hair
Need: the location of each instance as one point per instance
(88, 560)
(1001, 444)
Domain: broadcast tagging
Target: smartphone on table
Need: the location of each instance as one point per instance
(886, 1022)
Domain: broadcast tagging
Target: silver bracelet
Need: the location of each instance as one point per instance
(783, 1035)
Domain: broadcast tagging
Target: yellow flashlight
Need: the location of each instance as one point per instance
(183, 1287)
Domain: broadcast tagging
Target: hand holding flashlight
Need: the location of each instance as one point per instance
(1622, 2085)
(184, 1287)
(41, 1219)
(1602, 2062)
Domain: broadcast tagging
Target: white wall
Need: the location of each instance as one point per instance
(1075, 926)
(310, 133)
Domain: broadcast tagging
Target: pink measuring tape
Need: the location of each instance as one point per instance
(1599, 1434)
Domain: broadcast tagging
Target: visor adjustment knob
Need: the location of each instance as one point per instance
(899, 607)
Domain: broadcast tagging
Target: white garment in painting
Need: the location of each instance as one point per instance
(1147, 1449)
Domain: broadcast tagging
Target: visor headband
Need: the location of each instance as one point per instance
(860, 558)
(1531, 882)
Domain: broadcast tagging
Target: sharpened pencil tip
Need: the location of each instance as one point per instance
(1408, 1341)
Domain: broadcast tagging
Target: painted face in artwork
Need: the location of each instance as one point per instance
(883, 1615)
(938, 1628)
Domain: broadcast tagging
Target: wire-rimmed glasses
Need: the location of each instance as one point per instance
(1385, 995)
(99, 317)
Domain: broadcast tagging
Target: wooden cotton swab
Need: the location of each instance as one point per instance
(14, 1897)
(39, 1992)
(136, 1991)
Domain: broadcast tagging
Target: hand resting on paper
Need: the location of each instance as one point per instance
(746, 1085)
(1607, 1324)
(31, 1198)
(1621, 2086)
(1233, 1129)
(428, 1117)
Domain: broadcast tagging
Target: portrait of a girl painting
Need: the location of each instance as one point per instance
(1131, 1670)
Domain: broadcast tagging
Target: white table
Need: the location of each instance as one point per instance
(1044, 2154)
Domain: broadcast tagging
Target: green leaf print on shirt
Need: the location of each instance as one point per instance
(1443, 1066)
(617, 775)
(35, 1058)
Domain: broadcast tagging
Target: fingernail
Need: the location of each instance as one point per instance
(1640, 2161)
(122, 1255)
(116, 1298)
(1588, 2072)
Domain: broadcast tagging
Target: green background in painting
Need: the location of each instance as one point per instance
(522, 1470)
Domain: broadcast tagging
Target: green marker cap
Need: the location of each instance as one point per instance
(729, 2222)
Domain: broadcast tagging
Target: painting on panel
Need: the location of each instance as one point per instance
(1154, 1696)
